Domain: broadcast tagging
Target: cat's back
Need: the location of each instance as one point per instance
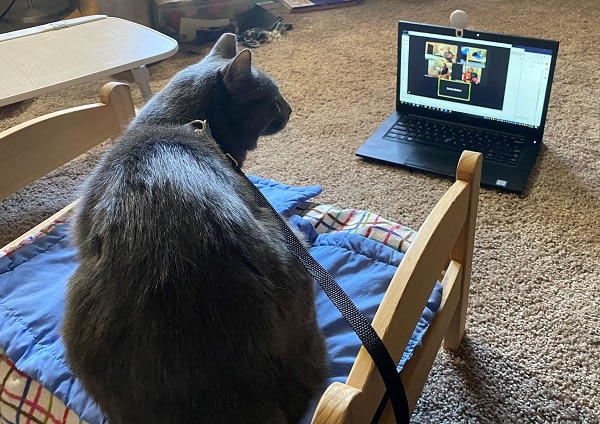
(166, 196)
(160, 180)
(161, 220)
(185, 292)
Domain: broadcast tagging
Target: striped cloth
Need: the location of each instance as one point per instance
(23, 400)
(328, 219)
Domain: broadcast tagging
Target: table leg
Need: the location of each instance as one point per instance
(141, 77)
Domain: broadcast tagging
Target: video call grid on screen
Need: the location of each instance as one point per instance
(495, 80)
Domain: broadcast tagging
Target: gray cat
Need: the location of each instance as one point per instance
(225, 90)
(186, 306)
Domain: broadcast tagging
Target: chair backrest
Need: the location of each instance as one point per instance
(442, 250)
(34, 148)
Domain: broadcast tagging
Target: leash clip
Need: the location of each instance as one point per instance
(199, 125)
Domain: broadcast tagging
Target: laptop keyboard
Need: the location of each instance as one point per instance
(495, 146)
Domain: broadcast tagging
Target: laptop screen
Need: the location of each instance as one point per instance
(500, 78)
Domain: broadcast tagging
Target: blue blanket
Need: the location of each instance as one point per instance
(33, 281)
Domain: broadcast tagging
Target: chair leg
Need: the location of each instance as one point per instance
(141, 77)
(456, 328)
(469, 171)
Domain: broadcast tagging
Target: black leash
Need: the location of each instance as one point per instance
(359, 323)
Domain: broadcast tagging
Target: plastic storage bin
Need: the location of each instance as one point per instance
(169, 14)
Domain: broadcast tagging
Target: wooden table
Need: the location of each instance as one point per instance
(46, 58)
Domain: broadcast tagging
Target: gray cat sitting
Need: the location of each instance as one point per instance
(240, 102)
(186, 306)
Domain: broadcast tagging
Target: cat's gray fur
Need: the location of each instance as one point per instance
(186, 306)
(223, 89)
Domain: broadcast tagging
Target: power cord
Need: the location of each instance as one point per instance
(7, 9)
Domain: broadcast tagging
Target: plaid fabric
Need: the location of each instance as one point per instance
(23, 400)
(327, 219)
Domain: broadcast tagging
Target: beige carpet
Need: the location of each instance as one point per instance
(533, 342)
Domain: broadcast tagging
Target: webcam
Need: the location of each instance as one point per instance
(459, 21)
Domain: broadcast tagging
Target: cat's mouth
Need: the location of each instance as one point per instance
(274, 126)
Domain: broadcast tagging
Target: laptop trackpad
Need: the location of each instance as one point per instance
(436, 161)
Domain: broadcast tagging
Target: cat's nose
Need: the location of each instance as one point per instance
(284, 108)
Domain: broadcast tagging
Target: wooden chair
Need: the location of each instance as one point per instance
(442, 249)
(26, 156)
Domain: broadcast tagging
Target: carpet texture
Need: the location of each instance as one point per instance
(532, 349)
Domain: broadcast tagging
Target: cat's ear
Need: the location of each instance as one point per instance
(225, 46)
(239, 69)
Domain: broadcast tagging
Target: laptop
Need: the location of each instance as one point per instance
(467, 90)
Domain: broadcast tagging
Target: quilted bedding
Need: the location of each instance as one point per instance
(360, 249)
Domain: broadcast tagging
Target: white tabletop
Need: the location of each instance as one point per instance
(49, 57)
